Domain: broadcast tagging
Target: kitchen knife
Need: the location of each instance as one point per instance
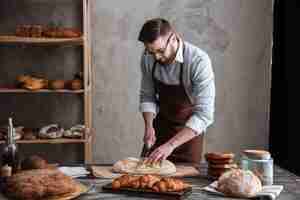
(146, 150)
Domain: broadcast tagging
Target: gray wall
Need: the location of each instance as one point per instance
(235, 33)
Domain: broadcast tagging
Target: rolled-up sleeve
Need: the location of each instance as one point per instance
(203, 92)
(147, 92)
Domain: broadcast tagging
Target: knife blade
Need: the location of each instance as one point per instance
(146, 150)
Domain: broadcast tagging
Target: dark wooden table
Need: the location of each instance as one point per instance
(290, 182)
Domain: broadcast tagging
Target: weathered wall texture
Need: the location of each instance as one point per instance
(235, 33)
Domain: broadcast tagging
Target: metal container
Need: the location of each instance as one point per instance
(261, 166)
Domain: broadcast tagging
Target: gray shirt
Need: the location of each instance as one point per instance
(198, 81)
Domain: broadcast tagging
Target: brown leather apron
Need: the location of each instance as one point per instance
(175, 109)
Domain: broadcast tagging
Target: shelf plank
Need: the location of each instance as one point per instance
(2, 90)
(6, 39)
(48, 141)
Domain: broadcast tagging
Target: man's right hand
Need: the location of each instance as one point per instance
(149, 136)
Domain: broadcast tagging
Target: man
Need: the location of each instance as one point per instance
(177, 94)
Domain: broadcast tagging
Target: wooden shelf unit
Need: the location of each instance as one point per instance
(7, 39)
(49, 141)
(40, 91)
(85, 43)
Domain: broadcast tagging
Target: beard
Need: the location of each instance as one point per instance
(167, 61)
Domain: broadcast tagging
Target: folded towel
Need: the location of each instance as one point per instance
(267, 193)
(74, 171)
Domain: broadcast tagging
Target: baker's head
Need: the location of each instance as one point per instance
(159, 39)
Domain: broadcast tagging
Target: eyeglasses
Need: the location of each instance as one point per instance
(161, 51)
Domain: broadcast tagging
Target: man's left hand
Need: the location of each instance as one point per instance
(160, 153)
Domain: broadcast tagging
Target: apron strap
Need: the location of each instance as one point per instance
(154, 79)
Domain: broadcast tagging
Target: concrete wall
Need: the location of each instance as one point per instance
(235, 33)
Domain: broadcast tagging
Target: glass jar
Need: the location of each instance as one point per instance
(261, 167)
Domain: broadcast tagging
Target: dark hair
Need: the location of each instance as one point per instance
(153, 29)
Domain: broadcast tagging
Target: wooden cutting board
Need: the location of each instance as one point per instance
(186, 171)
(181, 171)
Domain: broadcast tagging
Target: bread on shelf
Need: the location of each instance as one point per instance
(76, 131)
(39, 31)
(34, 162)
(75, 84)
(29, 134)
(52, 131)
(57, 84)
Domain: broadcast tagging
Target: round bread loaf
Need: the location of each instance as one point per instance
(34, 162)
(28, 134)
(57, 84)
(76, 84)
(133, 165)
(239, 183)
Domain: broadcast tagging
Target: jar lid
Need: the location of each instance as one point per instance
(257, 154)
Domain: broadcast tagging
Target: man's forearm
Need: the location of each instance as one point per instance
(183, 136)
(148, 118)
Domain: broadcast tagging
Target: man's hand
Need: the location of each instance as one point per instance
(160, 153)
(149, 136)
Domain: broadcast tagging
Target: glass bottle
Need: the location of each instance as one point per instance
(10, 154)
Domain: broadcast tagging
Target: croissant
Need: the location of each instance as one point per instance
(152, 182)
(148, 181)
(124, 181)
(170, 185)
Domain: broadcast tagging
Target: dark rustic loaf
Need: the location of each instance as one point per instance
(39, 184)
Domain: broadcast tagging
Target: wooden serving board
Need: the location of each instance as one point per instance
(181, 171)
(147, 192)
(79, 190)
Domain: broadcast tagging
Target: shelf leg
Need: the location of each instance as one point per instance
(88, 157)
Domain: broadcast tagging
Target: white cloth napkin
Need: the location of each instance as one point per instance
(74, 171)
(267, 193)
